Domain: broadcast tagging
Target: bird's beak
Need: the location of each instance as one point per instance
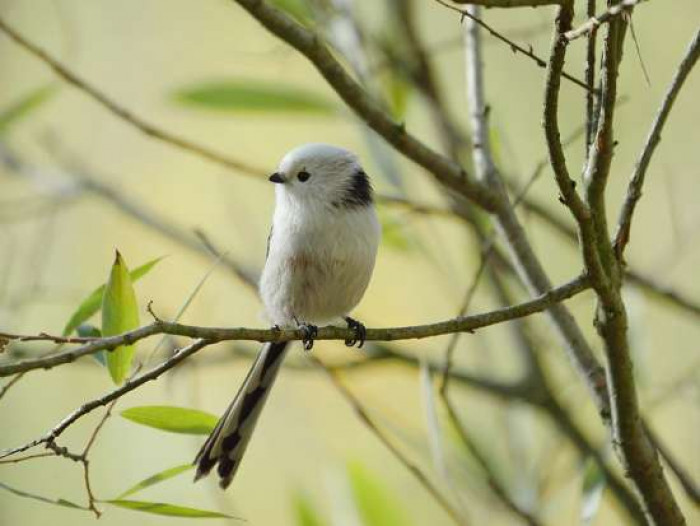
(277, 178)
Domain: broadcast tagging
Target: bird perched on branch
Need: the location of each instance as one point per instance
(320, 256)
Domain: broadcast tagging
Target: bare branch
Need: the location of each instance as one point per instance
(384, 439)
(634, 190)
(213, 334)
(517, 48)
(593, 23)
(590, 77)
(567, 187)
(492, 479)
(123, 113)
(127, 387)
(637, 453)
(310, 45)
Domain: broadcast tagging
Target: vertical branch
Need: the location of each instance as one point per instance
(637, 454)
(590, 78)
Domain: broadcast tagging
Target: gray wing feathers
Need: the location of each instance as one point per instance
(227, 443)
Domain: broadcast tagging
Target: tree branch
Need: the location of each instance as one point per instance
(311, 46)
(127, 387)
(634, 190)
(123, 113)
(517, 48)
(594, 22)
(384, 439)
(214, 334)
(636, 452)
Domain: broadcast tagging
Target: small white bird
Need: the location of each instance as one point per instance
(320, 256)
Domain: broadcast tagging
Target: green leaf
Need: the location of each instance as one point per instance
(156, 479)
(92, 304)
(432, 422)
(171, 510)
(298, 9)
(304, 512)
(172, 419)
(592, 490)
(398, 93)
(24, 107)
(376, 505)
(253, 96)
(58, 502)
(120, 313)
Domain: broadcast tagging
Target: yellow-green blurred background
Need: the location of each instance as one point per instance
(140, 53)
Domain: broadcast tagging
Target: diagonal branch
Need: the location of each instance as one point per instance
(128, 386)
(384, 439)
(594, 22)
(634, 190)
(311, 46)
(124, 114)
(517, 48)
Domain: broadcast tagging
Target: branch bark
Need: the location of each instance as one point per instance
(215, 334)
(311, 46)
(634, 190)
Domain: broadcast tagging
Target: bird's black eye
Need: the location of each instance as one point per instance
(303, 176)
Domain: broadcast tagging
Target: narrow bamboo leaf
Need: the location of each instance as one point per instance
(398, 91)
(156, 479)
(432, 423)
(92, 304)
(298, 9)
(253, 96)
(58, 502)
(171, 510)
(593, 486)
(172, 419)
(120, 313)
(305, 513)
(24, 107)
(377, 506)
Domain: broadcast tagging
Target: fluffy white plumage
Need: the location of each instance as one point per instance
(321, 253)
(323, 243)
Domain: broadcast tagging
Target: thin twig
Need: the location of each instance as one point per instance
(515, 47)
(593, 23)
(86, 462)
(27, 457)
(634, 190)
(384, 439)
(590, 77)
(128, 386)
(10, 383)
(124, 114)
(492, 479)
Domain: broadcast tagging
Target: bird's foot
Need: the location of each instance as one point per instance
(360, 332)
(309, 332)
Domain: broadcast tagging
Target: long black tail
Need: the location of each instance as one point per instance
(227, 443)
